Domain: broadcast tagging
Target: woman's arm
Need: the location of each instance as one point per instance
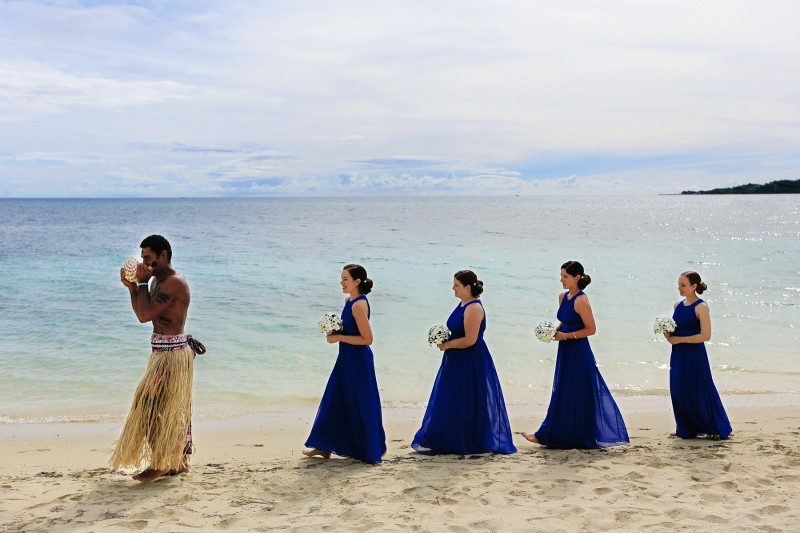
(360, 312)
(584, 309)
(473, 316)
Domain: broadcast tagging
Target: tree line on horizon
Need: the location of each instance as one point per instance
(773, 187)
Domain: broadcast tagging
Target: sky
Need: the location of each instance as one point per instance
(341, 98)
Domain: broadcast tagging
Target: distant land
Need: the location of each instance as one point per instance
(773, 187)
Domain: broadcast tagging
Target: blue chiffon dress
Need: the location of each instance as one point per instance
(349, 421)
(695, 400)
(466, 412)
(582, 413)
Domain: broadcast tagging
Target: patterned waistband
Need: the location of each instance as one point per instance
(170, 343)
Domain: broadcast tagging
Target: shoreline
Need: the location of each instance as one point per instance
(211, 412)
(248, 474)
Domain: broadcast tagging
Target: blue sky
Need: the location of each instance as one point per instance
(408, 97)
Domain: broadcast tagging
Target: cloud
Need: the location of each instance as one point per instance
(411, 97)
(28, 89)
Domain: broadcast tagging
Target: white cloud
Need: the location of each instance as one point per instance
(29, 89)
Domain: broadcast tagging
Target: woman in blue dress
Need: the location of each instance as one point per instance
(695, 401)
(582, 412)
(349, 419)
(466, 412)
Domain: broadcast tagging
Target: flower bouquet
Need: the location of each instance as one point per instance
(664, 324)
(330, 323)
(545, 331)
(438, 334)
(129, 269)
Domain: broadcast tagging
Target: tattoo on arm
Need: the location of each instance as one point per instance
(161, 297)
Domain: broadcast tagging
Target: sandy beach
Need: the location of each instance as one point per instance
(248, 475)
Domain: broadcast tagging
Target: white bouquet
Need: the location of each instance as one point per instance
(545, 331)
(130, 269)
(438, 334)
(330, 323)
(664, 324)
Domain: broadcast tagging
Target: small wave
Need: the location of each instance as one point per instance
(731, 368)
(63, 419)
(635, 390)
(404, 405)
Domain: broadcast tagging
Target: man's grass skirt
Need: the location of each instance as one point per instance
(155, 432)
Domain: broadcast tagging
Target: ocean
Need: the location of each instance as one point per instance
(262, 271)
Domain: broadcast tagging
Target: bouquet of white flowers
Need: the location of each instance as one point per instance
(438, 334)
(664, 324)
(545, 331)
(330, 323)
(130, 269)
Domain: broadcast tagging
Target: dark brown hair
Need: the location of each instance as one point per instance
(470, 278)
(158, 244)
(574, 268)
(359, 273)
(694, 279)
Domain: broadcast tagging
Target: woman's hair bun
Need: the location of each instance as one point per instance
(477, 288)
(365, 286)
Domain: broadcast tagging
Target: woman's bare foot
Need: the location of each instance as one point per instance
(531, 438)
(314, 452)
(673, 434)
(150, 474)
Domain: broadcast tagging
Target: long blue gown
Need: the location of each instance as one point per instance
(582, 412)
(466, 412)
(695, 400)
(349, 421)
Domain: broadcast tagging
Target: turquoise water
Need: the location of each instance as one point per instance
(263, 271)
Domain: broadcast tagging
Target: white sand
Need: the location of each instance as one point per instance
(248, 474)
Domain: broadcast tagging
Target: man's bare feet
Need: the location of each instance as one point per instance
(184, 469)
(315, 452)
(531, 438)
(150, 474)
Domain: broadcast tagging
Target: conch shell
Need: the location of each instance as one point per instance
(130, 269)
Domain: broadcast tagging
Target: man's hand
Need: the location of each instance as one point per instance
(143, 273)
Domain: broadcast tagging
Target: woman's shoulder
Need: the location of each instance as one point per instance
(581, 299)
(472, 309)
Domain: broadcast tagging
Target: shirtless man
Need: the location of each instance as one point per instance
(162, 403)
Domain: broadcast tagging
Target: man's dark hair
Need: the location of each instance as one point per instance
(158, 244)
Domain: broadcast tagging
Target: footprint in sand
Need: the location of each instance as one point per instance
(227, 523)
(774, 509)
(709, 496)
(136, 524)
(49, 474)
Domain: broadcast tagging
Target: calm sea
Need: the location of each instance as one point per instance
(263, 271)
